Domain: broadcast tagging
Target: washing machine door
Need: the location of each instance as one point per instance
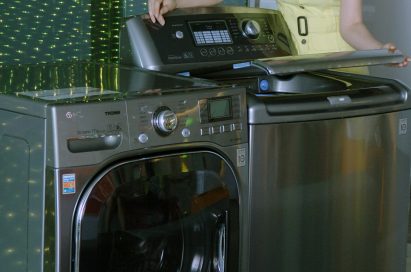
(172, 213)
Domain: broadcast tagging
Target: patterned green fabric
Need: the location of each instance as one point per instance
(36, 31)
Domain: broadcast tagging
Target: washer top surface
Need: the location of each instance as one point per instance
(36, 85)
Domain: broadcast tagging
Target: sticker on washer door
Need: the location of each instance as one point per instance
(241, 157)
(69, 184)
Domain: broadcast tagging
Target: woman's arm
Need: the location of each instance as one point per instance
(157, 8)
(354, 31)
(352, 27)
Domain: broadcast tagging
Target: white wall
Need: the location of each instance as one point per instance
(390, 20)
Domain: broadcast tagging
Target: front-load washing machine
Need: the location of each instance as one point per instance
(105, 168)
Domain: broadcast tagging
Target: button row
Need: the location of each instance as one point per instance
(220, 129)
(220, 51)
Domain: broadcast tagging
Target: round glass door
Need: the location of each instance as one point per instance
(171, 213)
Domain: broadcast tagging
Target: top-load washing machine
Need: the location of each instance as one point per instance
(107, 168)
(329, 152)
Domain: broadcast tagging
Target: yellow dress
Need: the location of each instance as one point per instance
(314, 25)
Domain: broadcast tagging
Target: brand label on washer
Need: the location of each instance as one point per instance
(69, 184)
(241, 157)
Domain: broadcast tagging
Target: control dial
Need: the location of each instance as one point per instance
(251, 29)
(164, 121)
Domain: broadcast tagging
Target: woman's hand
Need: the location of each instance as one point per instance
(157, 8)
(392, 48)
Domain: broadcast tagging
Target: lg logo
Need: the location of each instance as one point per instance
(71, 114)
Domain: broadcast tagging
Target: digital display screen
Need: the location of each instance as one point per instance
(220, 109)
(210, 32)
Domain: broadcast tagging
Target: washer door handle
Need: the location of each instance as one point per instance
(94, 143)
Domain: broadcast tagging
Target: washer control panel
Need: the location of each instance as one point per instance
(207, 115)
(88, 133)
(214, 35)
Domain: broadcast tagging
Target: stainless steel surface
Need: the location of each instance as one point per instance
(329, 187)
(204, 39)
(314, 62)
(87, 117)
(264, 43)
(21, 190)
(329, 168)
(309, 104)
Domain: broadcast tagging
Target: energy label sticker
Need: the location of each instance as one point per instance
(69, 184)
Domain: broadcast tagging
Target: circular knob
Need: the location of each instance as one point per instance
(165, 121)
(251, 29)
(179, 34)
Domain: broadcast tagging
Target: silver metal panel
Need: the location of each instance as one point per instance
(315, 62)
(128, 120)
(141, 40)
(306, 104)
(68, 120)
(21, 192)
(330, 195)
(60, 238)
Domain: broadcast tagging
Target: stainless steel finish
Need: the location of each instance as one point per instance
(314, 62)
(329, 187)
(329, 170)
(21, 190)
(139, 49)
(264, 32)
(102, 142)
(309, 63)
(77, 120)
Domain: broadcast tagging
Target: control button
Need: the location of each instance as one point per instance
(221, 51)
(185, 132)
(264, 85)
(213, 52)
(143, 138)
(270, 38)
(165, 121)
(237, 126)
(227, 128)
(251, 29)
(204, 52)
(215, 130)
(230, 50)
(179, 34)
(205, 131)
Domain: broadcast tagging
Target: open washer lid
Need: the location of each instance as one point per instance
(228, 40)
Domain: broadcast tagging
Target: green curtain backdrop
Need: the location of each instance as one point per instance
(38, 31)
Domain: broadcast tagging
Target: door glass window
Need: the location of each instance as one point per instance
(173, 213)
